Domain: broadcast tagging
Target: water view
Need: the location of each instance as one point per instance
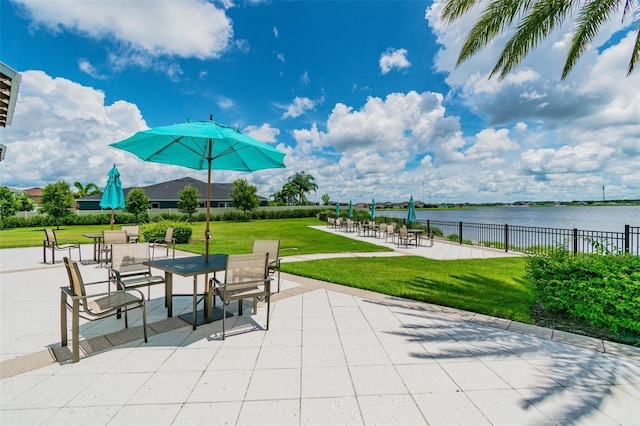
(593, 218)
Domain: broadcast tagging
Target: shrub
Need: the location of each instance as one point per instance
(604, 290)
(181, 231)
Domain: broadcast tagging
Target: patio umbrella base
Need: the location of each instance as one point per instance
(216, 314)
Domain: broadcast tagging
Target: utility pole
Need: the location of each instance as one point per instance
(603, 199)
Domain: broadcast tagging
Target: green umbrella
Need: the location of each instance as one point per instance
(411, 214)
(203, 145)
(113, 195)
(337, 209)
(350, 209)
(373, 209)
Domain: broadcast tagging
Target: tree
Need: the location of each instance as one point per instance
(7, 203)
(244, 195)
(536, 20)
(56, 201)
(326, 199)
(24, 203)
(303, 183)
(289, 193)
(85, 190)
(136, 203)
(189, 201)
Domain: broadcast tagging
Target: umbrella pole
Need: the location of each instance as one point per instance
(113, 219)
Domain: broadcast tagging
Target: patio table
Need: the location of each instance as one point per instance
(191, 266)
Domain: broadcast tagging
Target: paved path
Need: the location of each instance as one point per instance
(332, 355)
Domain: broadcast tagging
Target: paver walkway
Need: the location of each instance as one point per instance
(332, 355)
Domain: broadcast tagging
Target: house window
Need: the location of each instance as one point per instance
(155, 205)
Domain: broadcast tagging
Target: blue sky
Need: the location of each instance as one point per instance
(362, 95)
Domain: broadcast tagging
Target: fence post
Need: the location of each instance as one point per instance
(460, 231)
(575, 241)
(428, 227)
(627, 238)
(506, 237)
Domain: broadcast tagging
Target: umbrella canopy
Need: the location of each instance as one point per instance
(411, 214)
(373, 209)
(113, 195)
(350, 209)
(203, 145)
(337, 209)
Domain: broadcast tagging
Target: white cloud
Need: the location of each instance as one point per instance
(264, 133)
(393, 58)
(298, 107)
(190, 28)
(86, 67)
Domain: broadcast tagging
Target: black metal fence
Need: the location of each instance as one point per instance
(537, 240)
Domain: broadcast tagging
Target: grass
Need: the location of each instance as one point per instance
(495, 287)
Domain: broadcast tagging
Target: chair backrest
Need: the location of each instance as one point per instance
(390, 227)
(247, 267)
(51, 236)
(168, 236)
(403, 231)
(114, 237)
(131, 229)
(383, 227)
(127, 258)
(267, 246)
(76, 284)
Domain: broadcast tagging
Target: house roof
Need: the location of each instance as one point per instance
(168, 191)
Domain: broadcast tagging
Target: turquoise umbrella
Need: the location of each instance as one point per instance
(350, 209)
(373, 209)
(337, 209)
(411, 214)
(203, 145)
(113, 195)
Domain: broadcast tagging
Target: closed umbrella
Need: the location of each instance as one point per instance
(203, 145)
(373, 209)
(411, 214)
(337, 209)
(350, 209)
(113, 195)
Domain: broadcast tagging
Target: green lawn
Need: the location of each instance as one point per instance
(494, 287)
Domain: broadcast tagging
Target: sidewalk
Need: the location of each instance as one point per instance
(332, 355)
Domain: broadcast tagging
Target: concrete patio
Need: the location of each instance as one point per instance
(333, 355)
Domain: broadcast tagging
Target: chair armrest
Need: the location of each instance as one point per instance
(70, 294)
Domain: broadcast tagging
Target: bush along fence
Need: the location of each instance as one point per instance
(535, 240)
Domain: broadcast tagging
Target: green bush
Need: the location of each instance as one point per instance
(603, 289)
(181, 231)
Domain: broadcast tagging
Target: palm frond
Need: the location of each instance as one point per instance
(635, 55)
(545, 16)
(593, 14)
(497, 16)
(454, 9)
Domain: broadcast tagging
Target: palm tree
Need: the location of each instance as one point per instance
(289, 193)
(303, 183)
(85, 190)
(536, 19)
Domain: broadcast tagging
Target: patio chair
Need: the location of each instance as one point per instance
(167, 242)
(133, 233)
(93, 307)
(405, 238)
(272, 248)
(127, 269)
(390, 232)
(52, 243)
(109, 238)
(382, 230)
(246, 276)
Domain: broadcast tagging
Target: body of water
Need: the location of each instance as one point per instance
(594, 218)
